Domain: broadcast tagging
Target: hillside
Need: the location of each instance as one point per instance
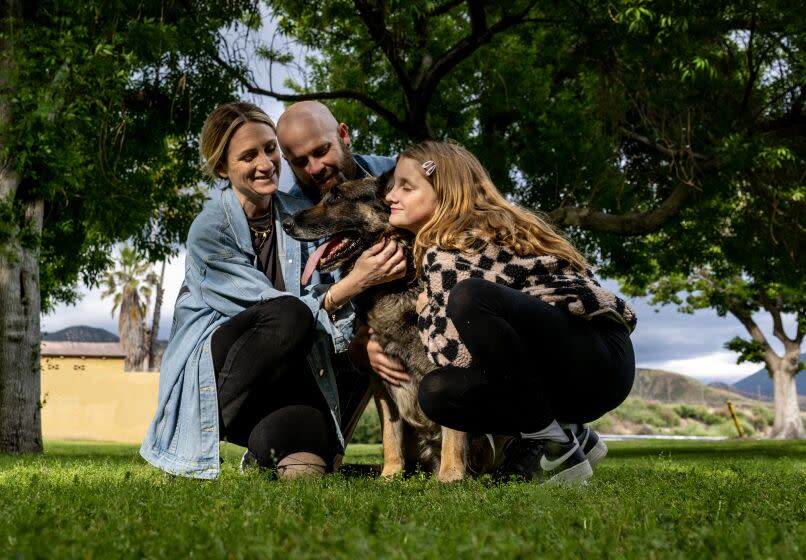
(666, 403)
(668, 387)
(81, 333)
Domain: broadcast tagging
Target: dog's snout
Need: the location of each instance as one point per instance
(288, 224)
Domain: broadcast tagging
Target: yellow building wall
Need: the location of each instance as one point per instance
(87, 365)
(99, 402)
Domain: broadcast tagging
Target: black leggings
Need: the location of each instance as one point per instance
(532, 363)
(267, 397)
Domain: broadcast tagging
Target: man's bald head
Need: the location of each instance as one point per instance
(316, 146)
(308, 114)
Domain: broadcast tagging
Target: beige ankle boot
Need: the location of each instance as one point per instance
(299, 464)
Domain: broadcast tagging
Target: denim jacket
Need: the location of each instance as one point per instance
(221, 280)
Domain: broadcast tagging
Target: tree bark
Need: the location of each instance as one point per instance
(788, 423)
(20, 415)
(153, 365)
(131, 330)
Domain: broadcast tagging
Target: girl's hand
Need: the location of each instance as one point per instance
(422, 301)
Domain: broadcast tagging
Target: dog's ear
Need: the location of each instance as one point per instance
(385, 180)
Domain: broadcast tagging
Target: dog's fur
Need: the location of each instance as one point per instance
(356, 210)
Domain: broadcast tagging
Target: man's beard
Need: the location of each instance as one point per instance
(348, 170)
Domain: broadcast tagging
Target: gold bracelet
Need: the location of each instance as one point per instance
(331, 303)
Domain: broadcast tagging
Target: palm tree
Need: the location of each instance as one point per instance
(153, 358)
(130, 285)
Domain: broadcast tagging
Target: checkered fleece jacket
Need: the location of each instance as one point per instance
(548, 278)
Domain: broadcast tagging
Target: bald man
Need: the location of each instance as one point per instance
(317, 148)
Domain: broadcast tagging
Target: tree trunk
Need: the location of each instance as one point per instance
(153, 365)
(20, 414)
(131, 330)
(788, 423)
(20, 417)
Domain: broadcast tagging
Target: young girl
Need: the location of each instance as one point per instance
(527, 343)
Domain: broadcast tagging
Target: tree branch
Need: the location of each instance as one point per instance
(774, 309)
(478, 17)
(363, 98)
(632, 223)
(480, 34)
(751, 68)
(444, 8)
(770, 357)
(376, 25)
(669, 152)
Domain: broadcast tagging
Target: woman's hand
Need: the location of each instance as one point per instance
(422, 301)
(383, 262)
(367, 354)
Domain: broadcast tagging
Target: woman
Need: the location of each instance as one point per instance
(523, 336)
(249, 357)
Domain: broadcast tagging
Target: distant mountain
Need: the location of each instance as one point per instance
(669, 387)
(760, 384)
(81, 333)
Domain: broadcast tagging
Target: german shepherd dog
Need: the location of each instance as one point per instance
(353, 216)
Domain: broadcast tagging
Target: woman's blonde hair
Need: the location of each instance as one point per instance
(218, 129)
(471, 209)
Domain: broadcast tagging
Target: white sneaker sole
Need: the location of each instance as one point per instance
(596, 454)
(576, 475)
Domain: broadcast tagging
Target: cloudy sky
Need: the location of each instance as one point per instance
(664, 339)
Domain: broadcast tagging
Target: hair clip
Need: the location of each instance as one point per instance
(429, 167)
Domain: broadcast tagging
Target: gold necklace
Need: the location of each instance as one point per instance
(262, 235)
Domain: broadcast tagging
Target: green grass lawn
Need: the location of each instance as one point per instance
(730, 499)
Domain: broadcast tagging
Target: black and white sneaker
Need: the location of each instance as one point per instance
(248, 461)
(564, 463)
(546, 461)
(592, 445)
(521, 459)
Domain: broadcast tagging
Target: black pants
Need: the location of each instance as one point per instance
(267, 397)
(531, 363)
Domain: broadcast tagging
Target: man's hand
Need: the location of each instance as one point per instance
(368, 354)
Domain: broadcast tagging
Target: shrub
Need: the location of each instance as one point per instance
(640, 412)
(667, 414)
(604, 425)
(368, 429)
(728, 428)
(762, 418)
(698, 413)
(692, 428)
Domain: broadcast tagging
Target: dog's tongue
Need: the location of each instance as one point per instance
(313, 260)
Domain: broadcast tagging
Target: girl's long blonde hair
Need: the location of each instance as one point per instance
(471, 209)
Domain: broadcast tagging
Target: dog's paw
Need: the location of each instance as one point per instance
(391, 471)
(449, 473)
